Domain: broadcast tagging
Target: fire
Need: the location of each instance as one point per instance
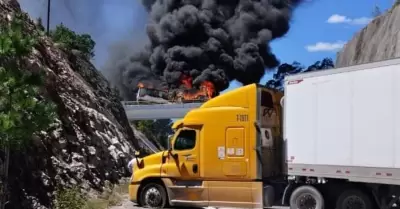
(205, 92)
(148, 86)
(209, 86)
(186, 80)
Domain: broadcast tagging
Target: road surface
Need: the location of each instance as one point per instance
(129, 205)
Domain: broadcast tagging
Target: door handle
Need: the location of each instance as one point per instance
(189, 156)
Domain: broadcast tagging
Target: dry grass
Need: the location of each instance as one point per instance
(112, 197)
(72, 198)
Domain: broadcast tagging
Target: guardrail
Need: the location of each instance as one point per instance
(125, 103)
(137, 111)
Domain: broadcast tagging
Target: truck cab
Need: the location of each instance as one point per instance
(219, 156)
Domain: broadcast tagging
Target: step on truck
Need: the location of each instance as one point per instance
(330, 140)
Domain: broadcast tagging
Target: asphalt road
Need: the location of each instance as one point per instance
(126, 204)
(129, 205)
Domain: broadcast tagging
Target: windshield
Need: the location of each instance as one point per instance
(186, 140)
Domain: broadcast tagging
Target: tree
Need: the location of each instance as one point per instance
(83, 43)
(39, 24)
(282, 71)
(162, 129)
(376, 12)
(288, 69)
(23, 112)
(156, 131)
(325, 64)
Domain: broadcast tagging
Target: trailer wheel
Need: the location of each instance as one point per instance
(354, 199)
(306, 197)
(153, 195)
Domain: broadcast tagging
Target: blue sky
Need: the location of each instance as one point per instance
(319, 28)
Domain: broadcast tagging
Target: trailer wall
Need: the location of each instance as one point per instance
(344, 121)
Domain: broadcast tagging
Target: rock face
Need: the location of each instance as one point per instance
(92, 140)
(379, 40)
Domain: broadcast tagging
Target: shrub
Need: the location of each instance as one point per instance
(23, 111)
(71, 40)
(70, 198)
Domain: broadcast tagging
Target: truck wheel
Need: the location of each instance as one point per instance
(306, 197)
(353, 199)
(153, 195)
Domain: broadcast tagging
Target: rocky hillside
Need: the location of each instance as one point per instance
(379, 40)
(91, 142)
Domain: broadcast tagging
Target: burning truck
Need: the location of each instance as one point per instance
(186, 94)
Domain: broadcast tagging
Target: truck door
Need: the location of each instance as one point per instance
(233, 191)
(183, 167)
(185, 149)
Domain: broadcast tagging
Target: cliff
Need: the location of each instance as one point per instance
(90, 143)
(379, 40)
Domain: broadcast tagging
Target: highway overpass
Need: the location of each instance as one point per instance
(138, 111)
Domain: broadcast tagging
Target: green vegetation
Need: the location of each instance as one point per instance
(156, 131)
(288, 69)
(83, 43)
(72, 198)
(69, 199)
(39, 24)
(69, 39)
(23, 112)
(376, 12)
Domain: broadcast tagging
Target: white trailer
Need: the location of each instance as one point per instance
(342, 136)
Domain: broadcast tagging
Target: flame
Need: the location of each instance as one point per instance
(140, 85)
(209, 87)
(188, 94)
(205, 92)
(186, 80)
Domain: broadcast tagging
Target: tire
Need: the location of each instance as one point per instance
(312, 197)
(153, 195)
(354, 199)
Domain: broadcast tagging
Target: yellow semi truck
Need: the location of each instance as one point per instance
(328, 142)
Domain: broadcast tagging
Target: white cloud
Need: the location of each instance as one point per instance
(336, 19)
(325, 46)
(361, 21)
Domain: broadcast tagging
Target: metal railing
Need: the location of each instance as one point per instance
(140, 111)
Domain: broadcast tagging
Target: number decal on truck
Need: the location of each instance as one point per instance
(242, 118)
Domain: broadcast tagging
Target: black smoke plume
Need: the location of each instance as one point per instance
(214, 40)
(95, 17)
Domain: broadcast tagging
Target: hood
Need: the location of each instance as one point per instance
(149, 166)
(151, 160)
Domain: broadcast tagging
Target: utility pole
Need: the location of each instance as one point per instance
(48, 16)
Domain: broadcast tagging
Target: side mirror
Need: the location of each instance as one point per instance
(137, 154)
(169, 142)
